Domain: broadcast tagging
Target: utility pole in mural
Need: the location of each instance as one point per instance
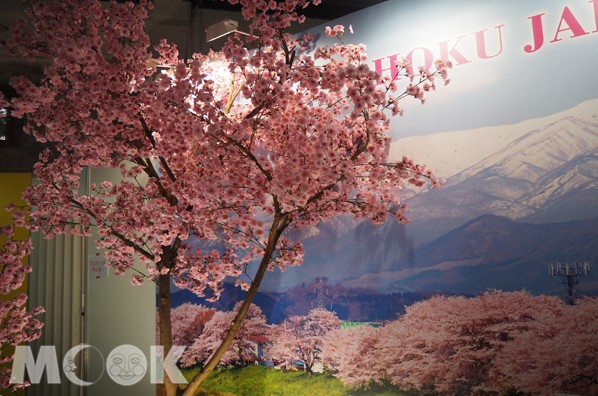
(569, 275)
(321, 293)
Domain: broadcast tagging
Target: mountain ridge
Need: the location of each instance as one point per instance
(491, 252)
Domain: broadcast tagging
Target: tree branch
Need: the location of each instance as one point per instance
(149, 135)
(280, 223)
(117, 234)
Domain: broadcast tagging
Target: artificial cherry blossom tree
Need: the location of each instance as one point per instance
(17, 324)
(300, 337)
(220, 154)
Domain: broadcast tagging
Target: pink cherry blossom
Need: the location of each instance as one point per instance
(244, 349)
(301, 337)
(220, 155)
(343, 353)
(188, 323)
(17, 323)
(496, 343)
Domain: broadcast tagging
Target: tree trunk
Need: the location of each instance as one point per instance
(308, 367)
(278, 226)
(167, 388)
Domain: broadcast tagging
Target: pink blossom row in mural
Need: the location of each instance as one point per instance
(497, 342)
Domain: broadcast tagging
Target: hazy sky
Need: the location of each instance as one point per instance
(503, 89)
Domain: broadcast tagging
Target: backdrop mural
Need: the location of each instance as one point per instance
(515, 139)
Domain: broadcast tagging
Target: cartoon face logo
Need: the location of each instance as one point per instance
(116, 365)
(126, 365)
(72, 369)
(136, 363)
(69, 365)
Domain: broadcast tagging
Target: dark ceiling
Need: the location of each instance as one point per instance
(328, 9)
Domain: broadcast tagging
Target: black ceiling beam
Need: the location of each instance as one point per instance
(327, 10)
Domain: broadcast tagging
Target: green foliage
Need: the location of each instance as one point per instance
(259, 381)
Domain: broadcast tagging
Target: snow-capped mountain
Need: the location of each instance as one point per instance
(449, 153)
(541, 170)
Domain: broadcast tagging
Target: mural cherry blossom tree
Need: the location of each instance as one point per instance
(244, 348)
(498, 342)
(557, 354)
(219, 154)
(300, 337)
(188, 323)
(344, 353)
(449, 343)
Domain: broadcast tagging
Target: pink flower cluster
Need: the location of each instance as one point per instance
(301, 337)
(498, 342)
(336, 31)
(253, 332)
(17, 324)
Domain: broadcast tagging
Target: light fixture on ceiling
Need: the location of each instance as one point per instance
(221, 29)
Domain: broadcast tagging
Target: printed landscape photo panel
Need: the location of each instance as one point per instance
(514, 138)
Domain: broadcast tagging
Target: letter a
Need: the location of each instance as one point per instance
(595, 4)
(572, 24)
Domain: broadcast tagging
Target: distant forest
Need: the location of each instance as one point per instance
(350, 304)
